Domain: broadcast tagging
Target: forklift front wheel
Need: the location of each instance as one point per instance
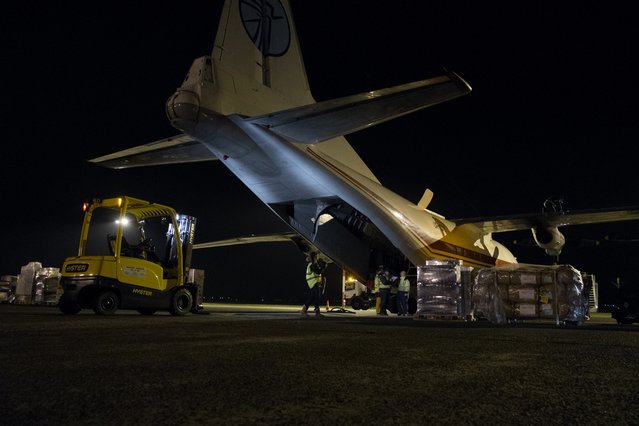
(181, 302)
(105, 303)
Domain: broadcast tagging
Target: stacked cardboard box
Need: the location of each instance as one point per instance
(525, 291)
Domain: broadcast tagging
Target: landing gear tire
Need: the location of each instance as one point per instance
(106, 303)
(147, 311)
(68, 307)
(181, 302)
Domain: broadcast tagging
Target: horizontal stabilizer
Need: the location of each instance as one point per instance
(553, 219)
(325, 120)
(173, 150)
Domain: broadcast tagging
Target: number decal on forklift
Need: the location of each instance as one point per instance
(134, 271)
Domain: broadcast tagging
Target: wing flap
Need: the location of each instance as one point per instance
(554, 219)
(325, 120)
(173, 150)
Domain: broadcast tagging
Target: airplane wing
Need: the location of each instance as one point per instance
(177, 149)
(322, 121)
(252, 239)
(305, 246)
(552, 219)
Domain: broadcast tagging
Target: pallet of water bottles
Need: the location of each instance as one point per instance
(442, 290)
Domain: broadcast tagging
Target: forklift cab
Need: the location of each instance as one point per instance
(147, 244)
(133, 254)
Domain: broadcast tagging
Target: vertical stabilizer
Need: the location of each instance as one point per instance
(256, 50)
(259, 67)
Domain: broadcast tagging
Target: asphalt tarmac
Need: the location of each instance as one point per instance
(251, 366)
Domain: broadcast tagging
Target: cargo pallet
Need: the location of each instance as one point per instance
(24, 302)
(446, 317)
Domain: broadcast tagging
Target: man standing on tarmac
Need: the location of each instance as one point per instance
(314, 270)
(384, 290)
(378, 300)
(402, 294)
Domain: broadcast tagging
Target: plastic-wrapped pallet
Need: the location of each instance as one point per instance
(7, 287)
(525, 291)
(26, 279)
(439, 288)
(52, 289)
(486, 300)
(46, 285)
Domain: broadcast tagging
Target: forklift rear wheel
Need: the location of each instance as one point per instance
(147, 311)
(181, 302)
(105, 303)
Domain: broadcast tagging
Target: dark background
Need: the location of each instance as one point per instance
(553, 113)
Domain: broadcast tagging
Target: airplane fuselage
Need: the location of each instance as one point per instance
(301, 182)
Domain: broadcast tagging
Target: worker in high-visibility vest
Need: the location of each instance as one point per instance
(384, 291)
(314, 280)
(402, 294)
(378, 300)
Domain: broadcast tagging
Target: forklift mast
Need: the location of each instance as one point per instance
(186, 229)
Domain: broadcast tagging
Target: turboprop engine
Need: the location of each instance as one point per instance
(549, 239)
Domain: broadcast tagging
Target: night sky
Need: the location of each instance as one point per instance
(553, 112)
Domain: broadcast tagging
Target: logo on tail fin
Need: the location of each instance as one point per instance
(267, 26)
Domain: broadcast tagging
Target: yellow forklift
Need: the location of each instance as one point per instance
(133, 254)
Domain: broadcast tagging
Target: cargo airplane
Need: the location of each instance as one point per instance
(249, 106)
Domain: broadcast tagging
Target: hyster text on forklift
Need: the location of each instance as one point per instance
(118, 267)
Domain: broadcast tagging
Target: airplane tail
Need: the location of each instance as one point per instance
(258, 74)
(258, 59)
(257, 55)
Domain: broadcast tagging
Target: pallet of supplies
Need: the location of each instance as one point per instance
(25, 282)
(524, 291)
(441, 289)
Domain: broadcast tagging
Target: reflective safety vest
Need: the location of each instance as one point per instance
(404, 284)
(376, 288)
(312, 278)
(381, 284)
